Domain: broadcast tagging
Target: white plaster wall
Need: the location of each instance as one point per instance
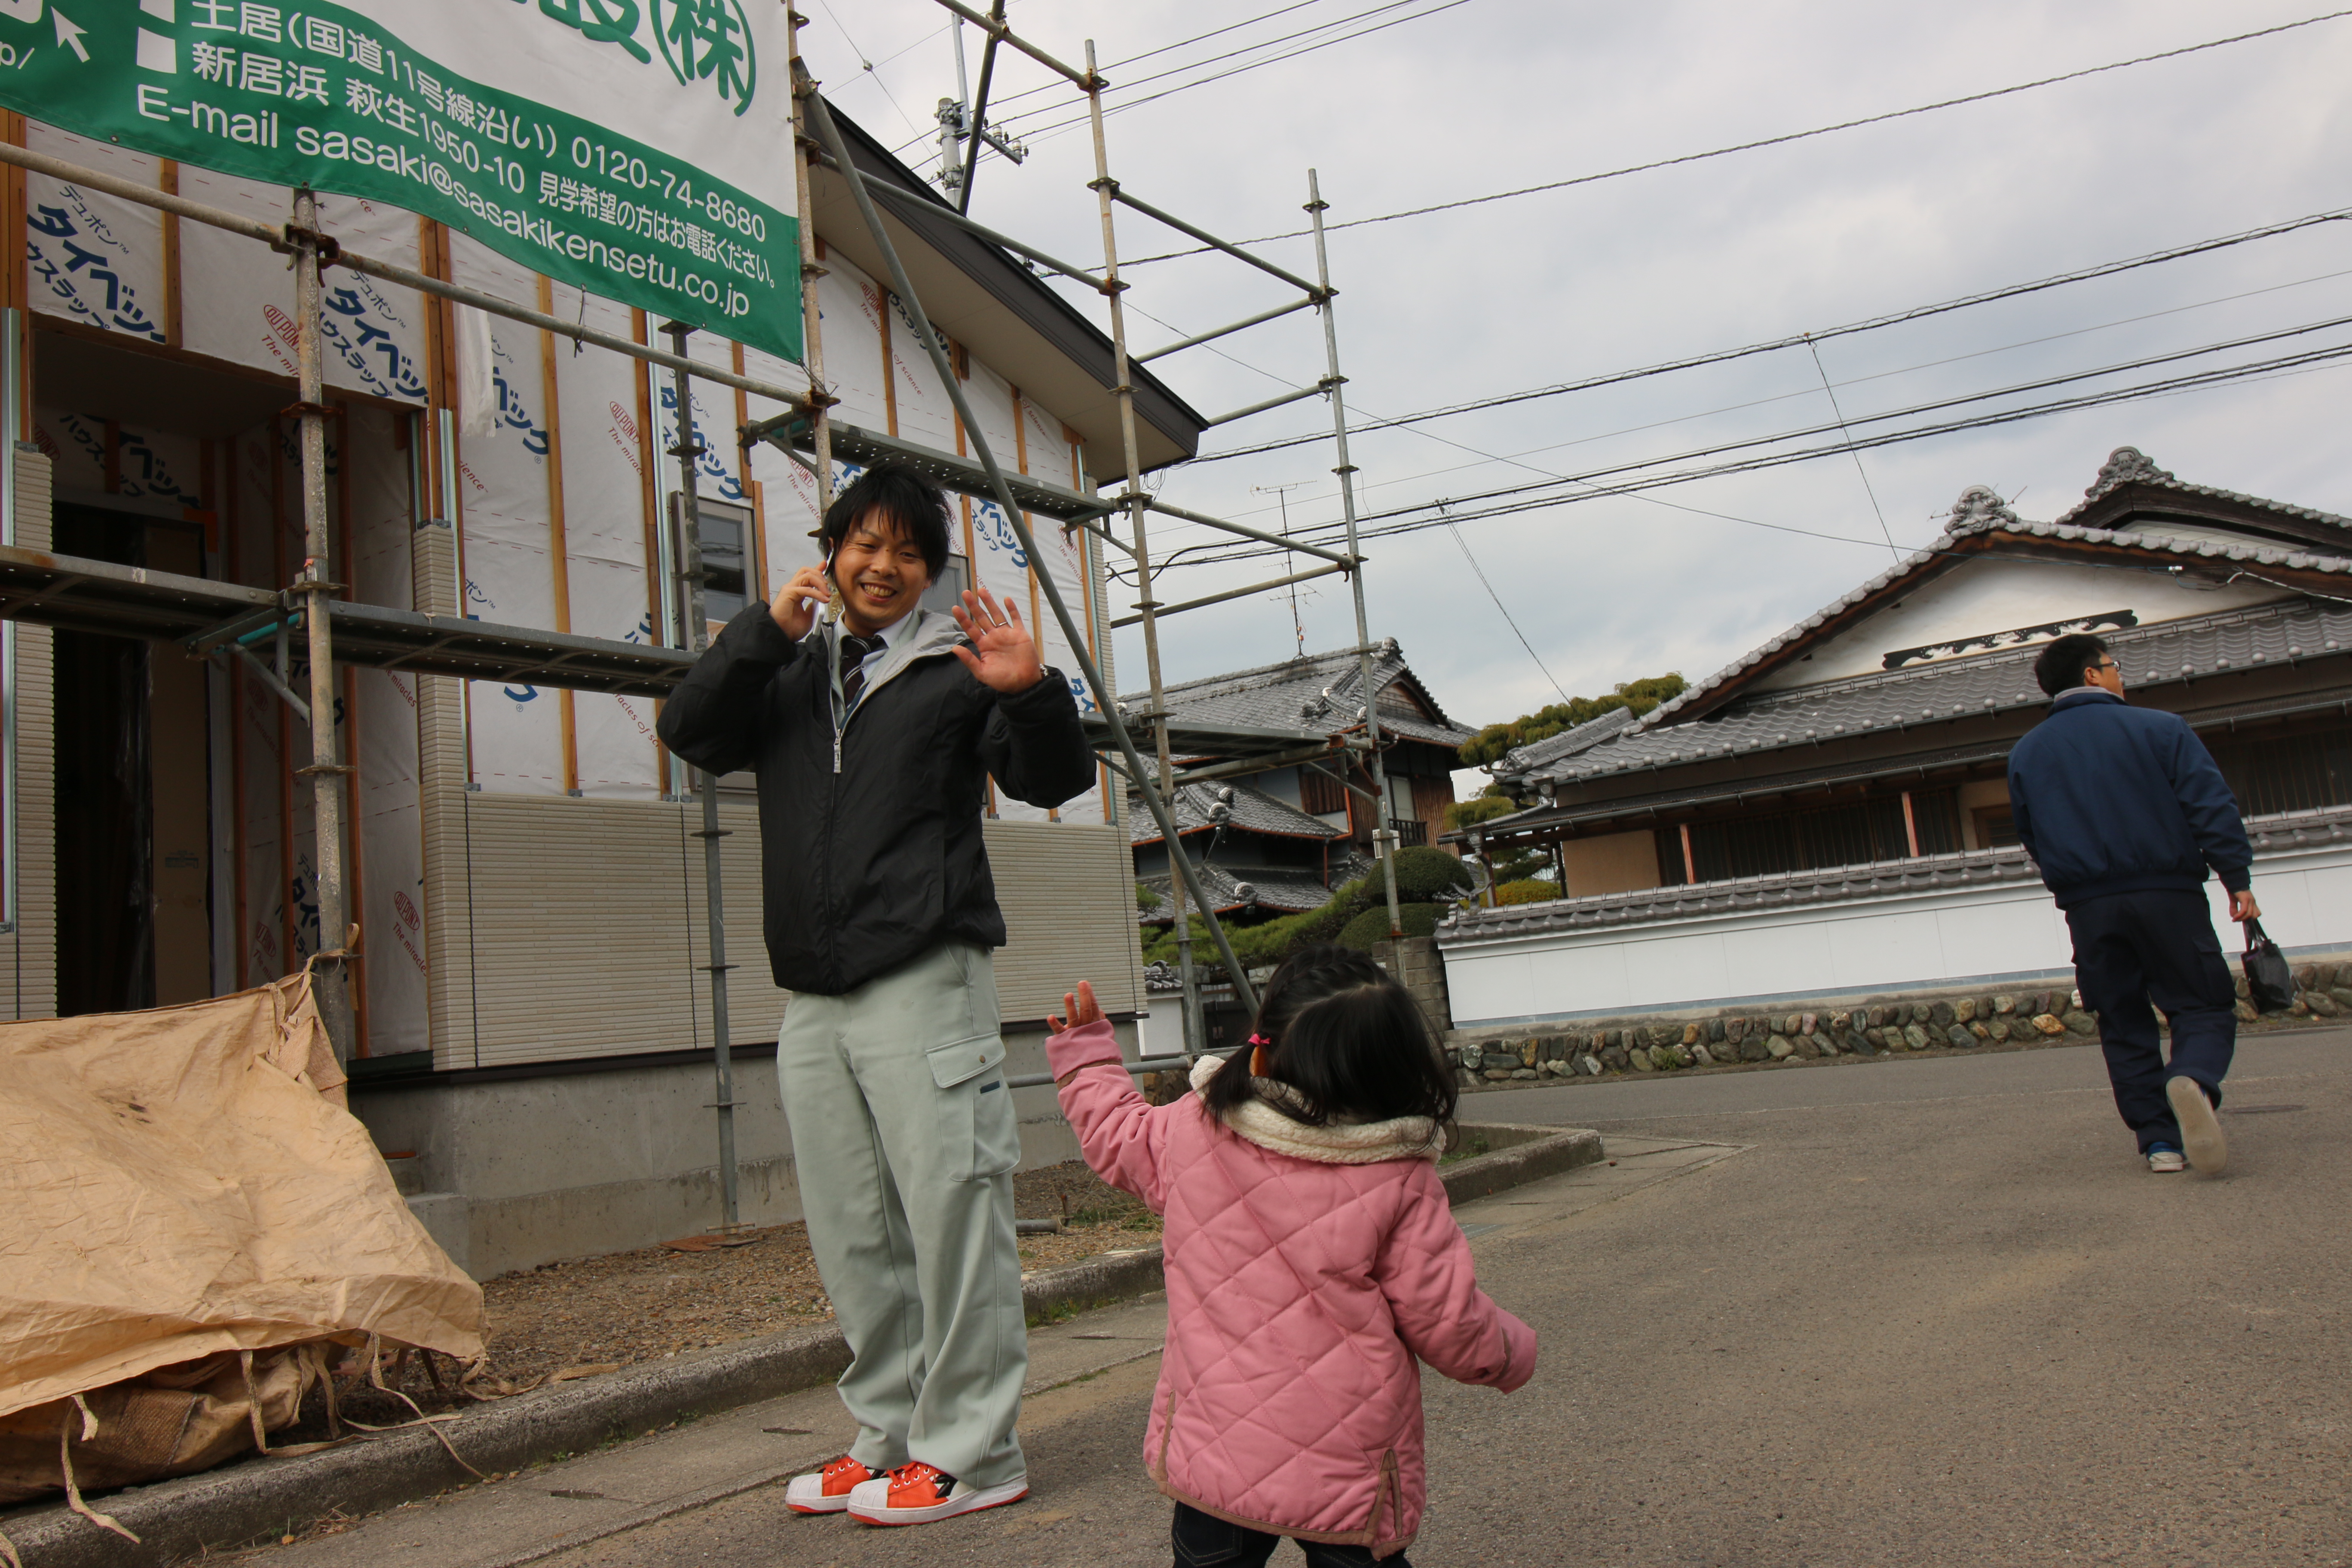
(1980, 596)
(2011, 931)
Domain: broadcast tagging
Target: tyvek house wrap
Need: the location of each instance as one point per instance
(185, 1181)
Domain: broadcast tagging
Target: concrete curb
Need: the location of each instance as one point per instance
(260, 1498)
(263, 1497)
(1526, 1154)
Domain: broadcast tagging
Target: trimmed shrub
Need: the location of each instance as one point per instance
(1529, 891)
(1371, 927)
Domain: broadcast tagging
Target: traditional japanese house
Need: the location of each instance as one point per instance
(1828, 815)
(1278, 840)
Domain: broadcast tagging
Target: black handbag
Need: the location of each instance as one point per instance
(2268, 980)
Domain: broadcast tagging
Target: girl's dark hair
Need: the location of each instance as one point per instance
(905, 496)
(1350, 1040)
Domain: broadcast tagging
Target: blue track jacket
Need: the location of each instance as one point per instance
(2110, 798)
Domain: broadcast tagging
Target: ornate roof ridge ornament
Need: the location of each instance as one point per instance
(1979, 506)
(2127, 466)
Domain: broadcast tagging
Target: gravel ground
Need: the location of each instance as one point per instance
(612, 1311)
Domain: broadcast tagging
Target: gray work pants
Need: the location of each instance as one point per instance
(904, 1141)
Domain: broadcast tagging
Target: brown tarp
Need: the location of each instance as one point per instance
(182, 1183)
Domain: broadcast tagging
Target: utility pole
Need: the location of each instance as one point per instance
(1282, 497)
(962, 127)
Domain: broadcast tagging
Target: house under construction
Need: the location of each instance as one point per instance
(529, 935)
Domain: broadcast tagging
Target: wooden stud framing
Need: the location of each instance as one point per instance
(559, 547)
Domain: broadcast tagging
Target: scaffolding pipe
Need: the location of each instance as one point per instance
(1246, 532)
(1311, 290)
(821, 120)
(714, 897)
(1206, 599)
(900, 195)
(331, 975)
(1301, 395)
(820, 397)
(1158, 791)
(1383, 835)
(286, 240)
(1197, 338)
(996, 30)
(979, 105)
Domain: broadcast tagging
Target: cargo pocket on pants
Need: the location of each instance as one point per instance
(979, 1134)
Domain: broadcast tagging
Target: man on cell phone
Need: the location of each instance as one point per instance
(2123, 809)
(873, 739)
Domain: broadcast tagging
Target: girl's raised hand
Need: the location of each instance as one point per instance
(1083, 1010)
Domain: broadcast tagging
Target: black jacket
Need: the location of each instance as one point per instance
(2109, 798)
(870, 850)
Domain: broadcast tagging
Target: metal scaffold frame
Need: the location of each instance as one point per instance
(820, 143)
(209, 618)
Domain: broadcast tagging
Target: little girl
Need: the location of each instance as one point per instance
(1310, 1257)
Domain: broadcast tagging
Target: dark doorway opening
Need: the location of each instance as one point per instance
(134, 918)
(106, 923)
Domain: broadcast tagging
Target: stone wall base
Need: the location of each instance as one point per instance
(1954, 1020)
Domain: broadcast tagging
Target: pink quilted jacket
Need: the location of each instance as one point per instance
(1298, 1294)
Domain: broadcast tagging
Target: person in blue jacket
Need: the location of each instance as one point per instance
(2124, 810)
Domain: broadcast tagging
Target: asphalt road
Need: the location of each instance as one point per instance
(1903, 1312)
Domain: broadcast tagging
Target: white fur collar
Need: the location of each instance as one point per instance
(1360, 1143)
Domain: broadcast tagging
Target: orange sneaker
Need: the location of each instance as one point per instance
(826, 1490)
(917, 1493)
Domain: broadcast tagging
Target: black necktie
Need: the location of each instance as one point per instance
(853, 667)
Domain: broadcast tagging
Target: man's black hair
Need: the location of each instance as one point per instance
(1350, 1040)
(904, 495)
(2061, 666)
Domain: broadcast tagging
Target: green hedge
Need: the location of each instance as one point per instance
(1529, 891)
(1425, 874)
(1371, 927)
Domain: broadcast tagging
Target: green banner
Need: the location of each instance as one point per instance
(638, 149)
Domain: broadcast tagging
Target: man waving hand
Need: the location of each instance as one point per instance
(873, 740)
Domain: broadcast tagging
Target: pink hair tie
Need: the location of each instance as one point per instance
(1259, 1040)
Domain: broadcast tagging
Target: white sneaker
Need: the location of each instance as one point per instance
(2200, 1130)
(2164, 1161)
(917, 1493)
(827, 1490)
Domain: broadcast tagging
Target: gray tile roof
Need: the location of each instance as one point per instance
(1283, 888)
(2152, 656)
(1795, 889)
(1978, 514)
(1567, 743)
(1253, 811)
(2130, 466)
(1321, 692)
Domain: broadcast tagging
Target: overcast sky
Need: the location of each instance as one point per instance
(1480, 96)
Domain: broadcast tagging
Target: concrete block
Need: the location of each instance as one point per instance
(446, 1219)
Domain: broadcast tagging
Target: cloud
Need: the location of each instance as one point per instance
(1492, 95)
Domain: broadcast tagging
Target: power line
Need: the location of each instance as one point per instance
(1504, 611)
(1513, 458)
(1874, 323)
(1767, 142)
(1131, 59)
(1515, 499)
(2042, 385)
(1822, 371)
(1041, 132)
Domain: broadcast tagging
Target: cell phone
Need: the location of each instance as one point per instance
(833, 603)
